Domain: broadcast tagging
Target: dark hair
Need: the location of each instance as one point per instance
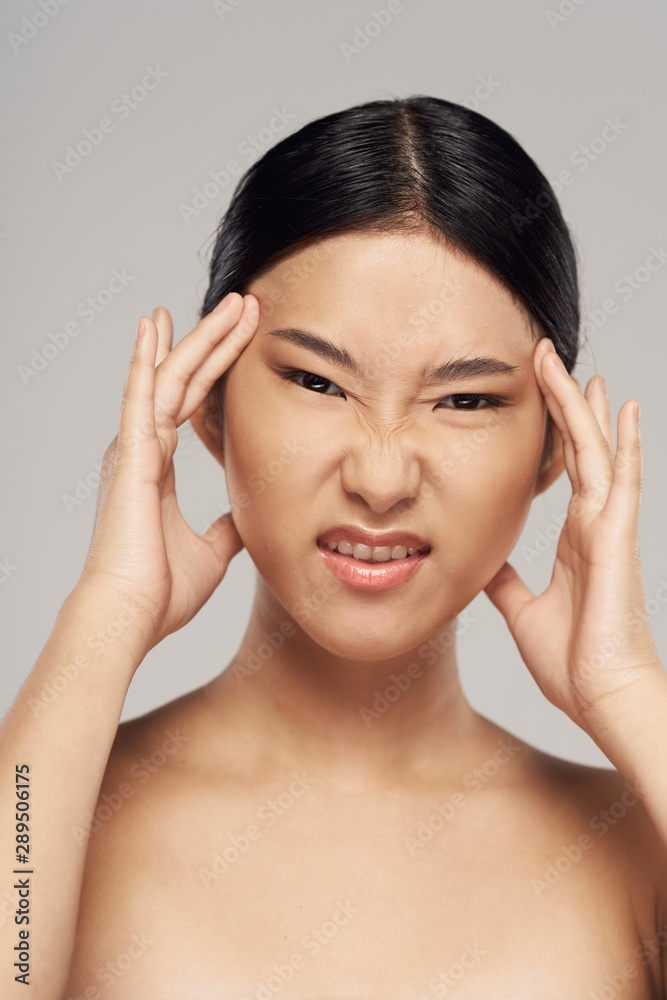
(381, 165)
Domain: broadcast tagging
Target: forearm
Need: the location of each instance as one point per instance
(62, 723)
(632, 733)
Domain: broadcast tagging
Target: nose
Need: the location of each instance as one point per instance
(384, 472)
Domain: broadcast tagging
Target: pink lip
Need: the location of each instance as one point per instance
(359, 536)
(373, 576)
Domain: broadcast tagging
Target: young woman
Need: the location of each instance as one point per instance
(382, 369)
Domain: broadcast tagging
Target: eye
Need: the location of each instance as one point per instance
(462, 400)
(320, 383)
(469, 401)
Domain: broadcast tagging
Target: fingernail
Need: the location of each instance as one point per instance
(223, 303)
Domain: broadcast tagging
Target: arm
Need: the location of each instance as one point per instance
(62, 724)
(632, 733)
(146, 575)
(587, 638)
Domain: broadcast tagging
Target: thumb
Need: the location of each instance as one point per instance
(223, 539)
(508, 593)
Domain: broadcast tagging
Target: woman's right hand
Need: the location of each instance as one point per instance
(142, 548)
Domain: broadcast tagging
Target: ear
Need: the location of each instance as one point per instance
(553, 461)
(207, 426)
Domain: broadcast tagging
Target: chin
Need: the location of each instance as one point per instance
(365, 636)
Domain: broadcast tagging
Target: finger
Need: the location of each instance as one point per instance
(173, 375)
(624, 500)
(136, 419)
(224, 539)
(220, 358)
(598, 400)
(208, 357)
(591, 451)
(569, 456)
(162, 321)
(508, 593)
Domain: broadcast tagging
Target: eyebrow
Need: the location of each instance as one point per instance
(458, 369)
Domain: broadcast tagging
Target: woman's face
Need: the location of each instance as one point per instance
(380, 447)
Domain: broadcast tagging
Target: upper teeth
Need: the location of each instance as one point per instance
(377, 553)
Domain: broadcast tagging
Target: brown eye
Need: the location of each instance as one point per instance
(469, 401)
(320, 384)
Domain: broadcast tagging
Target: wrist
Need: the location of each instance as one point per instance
(110, 619)
(629, 725)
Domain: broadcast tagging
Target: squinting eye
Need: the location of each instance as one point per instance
(464, 400)
(294, 376)
(469, 400)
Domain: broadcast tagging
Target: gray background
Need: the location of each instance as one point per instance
(551, 80)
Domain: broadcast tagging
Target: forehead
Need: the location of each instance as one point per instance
(404, 288)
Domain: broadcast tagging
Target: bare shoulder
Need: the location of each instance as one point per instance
(151, 753)
(154, 762)
(138, 814)
(613, 821)
(157, 732)
(604, 795)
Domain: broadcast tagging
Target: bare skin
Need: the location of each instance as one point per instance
(275, 831)
(342, 878)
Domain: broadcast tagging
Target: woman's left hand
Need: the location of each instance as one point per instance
(586, 639)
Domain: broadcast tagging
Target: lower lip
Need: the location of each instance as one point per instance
(371, 576)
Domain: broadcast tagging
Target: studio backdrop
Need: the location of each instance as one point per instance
(126, 127)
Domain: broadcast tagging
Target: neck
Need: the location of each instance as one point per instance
(362, 722)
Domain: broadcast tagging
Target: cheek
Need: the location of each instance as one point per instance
(487, 485)
(267, 457)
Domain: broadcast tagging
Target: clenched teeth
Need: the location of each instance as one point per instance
(377, 553)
